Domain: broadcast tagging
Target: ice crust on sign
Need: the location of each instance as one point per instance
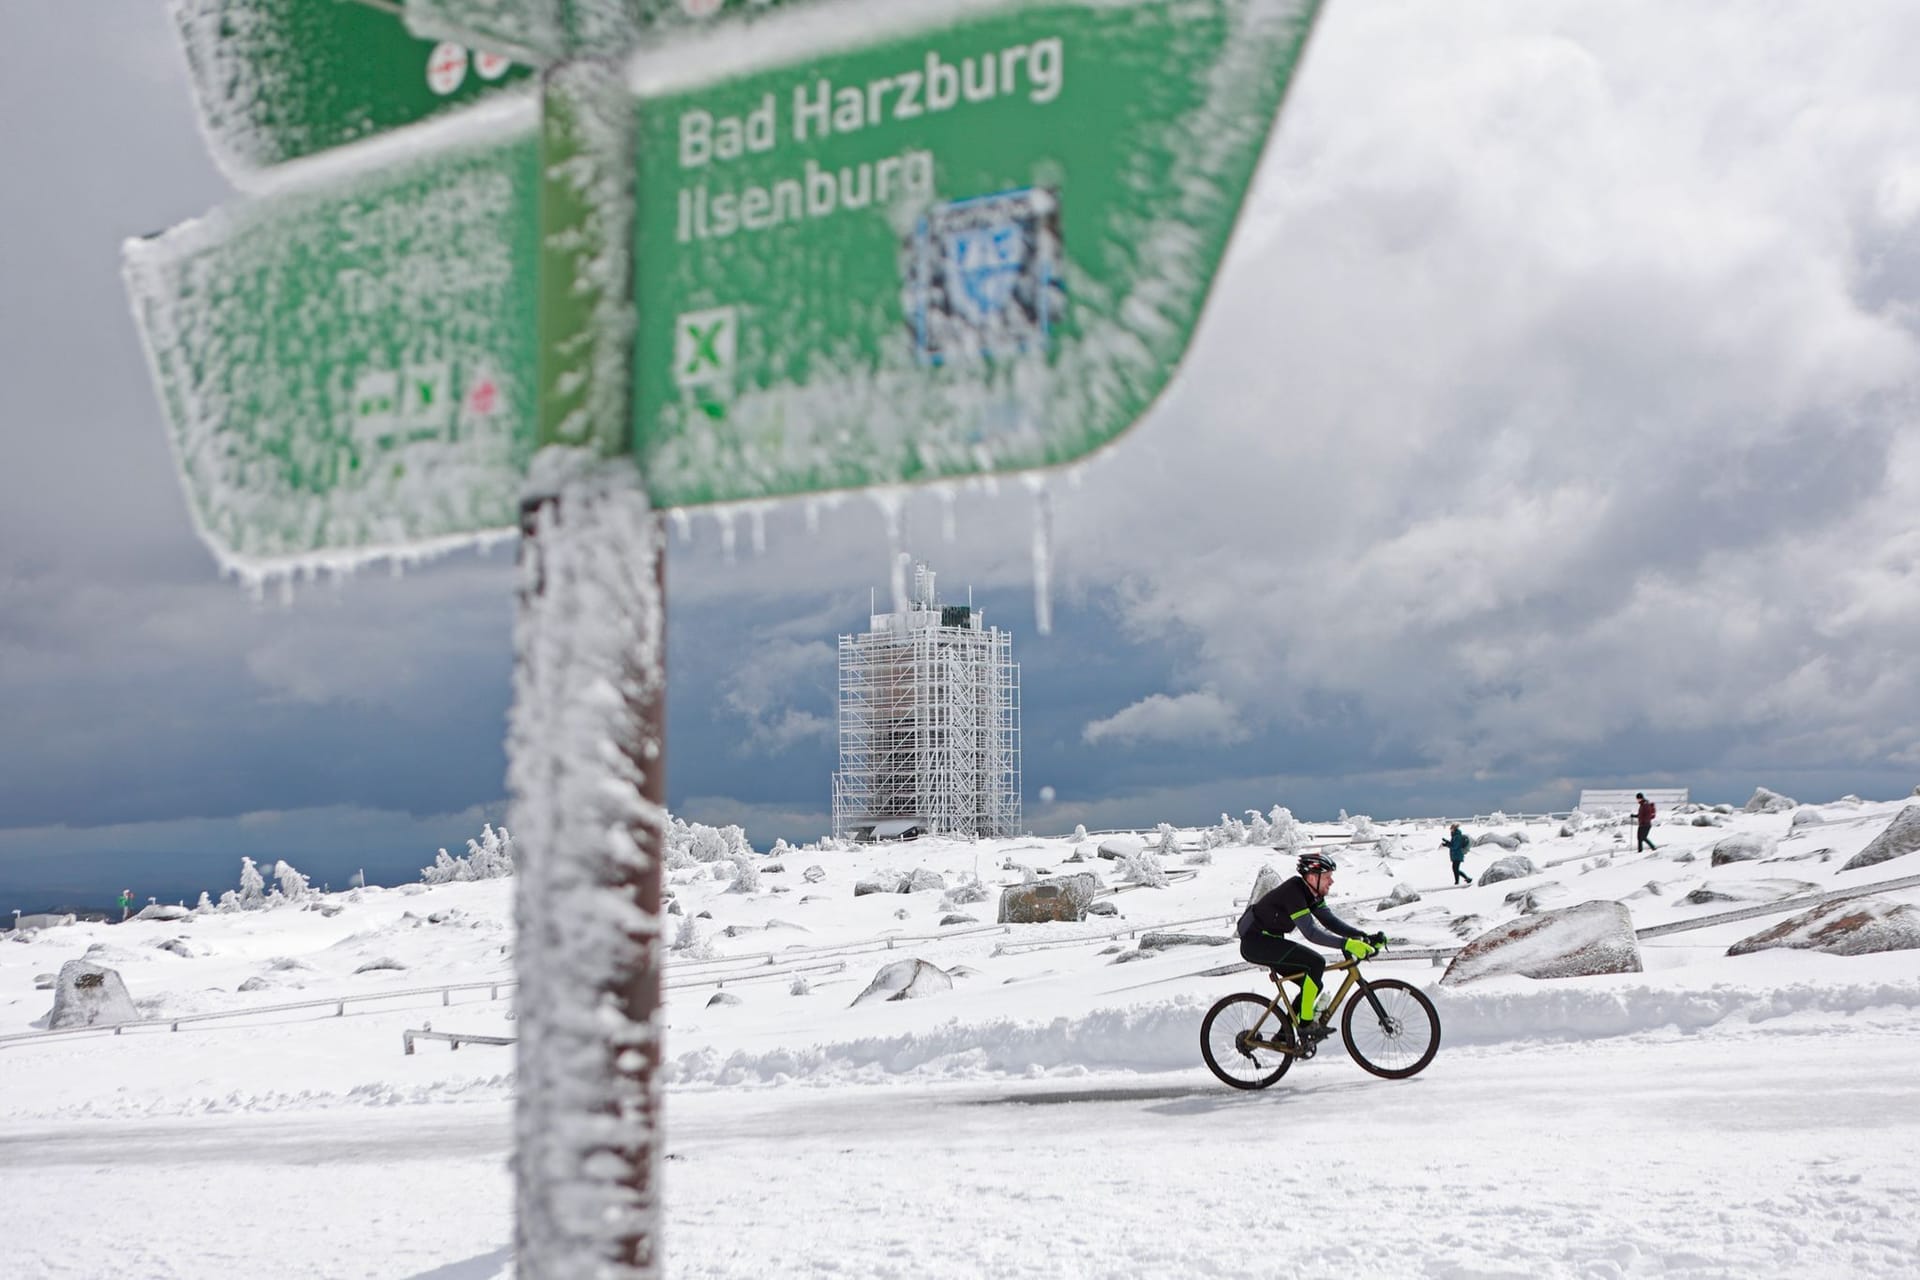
(347, 365)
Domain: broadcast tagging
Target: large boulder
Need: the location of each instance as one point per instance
(1511, 867)
(1055, 898)
(162, 911)
(1765, 801)
(1901, 836)
(1268, 879)
(905, 980)
(1851, 927)
(888, 883)
(1504, 839)
(1402, 894)
(1742, 846)
(1594, 937)
(1807, 816)
(89, 995)
(922, 879)
(1120, 848)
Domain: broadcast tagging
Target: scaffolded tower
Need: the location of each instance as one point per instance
(929, 725)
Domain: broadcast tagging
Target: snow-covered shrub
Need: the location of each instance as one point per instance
(488, 858)
(971, 889)
(1283, 831)
(1258, 830)
(1168, 846)
(746, 875)
(1363, 828)
(1144, 868)
(1230, 831)
(688, 941)
(1200, 858)
(1079, 831)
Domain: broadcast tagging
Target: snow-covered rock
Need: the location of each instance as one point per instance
(1056, 898)
(1851, 927)
(1402, 894)
(1504, 839)
(1511, 867)
(922, 880)
(1742, 846)
(1265, 882)
(1709, 820)
(814, 874)
(89, 995)
(722, 998)
(1765, 801)
(968, 891)
(162, 911)
(1594, 937)
(1116, 848)
(1807, 816)
(1102, 908)
(1901, 836)
(876, 884)
(905, 980)
(1163, 941)
(955, 917)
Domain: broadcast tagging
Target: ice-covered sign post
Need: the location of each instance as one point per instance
(731, 249)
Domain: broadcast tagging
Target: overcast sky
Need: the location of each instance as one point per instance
(1552, 424)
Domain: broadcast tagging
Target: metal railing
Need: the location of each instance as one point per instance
(454, 1038)
(339, 1003)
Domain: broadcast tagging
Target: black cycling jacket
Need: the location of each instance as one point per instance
(1292, 906)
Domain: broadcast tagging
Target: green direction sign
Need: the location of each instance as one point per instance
(352, 366)
(276, 80)
(977, 249)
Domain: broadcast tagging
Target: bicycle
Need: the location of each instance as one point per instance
(1391, 1030)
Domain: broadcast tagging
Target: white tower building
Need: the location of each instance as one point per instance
(929, 724)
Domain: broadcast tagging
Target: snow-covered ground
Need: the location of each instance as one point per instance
(1049, 1115)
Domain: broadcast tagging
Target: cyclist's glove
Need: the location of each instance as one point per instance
(1358, 948)
(1378, 941)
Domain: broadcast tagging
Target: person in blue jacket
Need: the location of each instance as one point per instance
(1456, 844)
(1302, 903)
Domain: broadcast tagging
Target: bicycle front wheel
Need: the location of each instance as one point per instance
(1226, 1042)
(1394, 1034)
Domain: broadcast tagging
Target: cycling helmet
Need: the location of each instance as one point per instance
(1314, 860)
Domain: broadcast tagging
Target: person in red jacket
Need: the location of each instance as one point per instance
(1645, 819)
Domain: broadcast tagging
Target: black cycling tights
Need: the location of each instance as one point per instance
(1285, 955)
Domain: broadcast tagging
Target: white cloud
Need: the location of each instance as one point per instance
(778, 673)
(1201, 716)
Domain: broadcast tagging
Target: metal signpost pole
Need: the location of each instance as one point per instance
(587, 752)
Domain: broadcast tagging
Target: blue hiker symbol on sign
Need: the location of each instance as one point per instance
(984, 277)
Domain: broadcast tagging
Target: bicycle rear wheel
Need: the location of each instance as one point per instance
(1398, 1038)
(1226, 1042)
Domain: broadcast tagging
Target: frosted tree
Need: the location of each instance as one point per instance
(1168, 846)
(1079, 831)
(290, 884)
(205, 903)
(253, 885)
(1230, 831)
(1258, 831)
(1283, 831)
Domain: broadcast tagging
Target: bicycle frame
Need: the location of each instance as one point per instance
(1281, 1007)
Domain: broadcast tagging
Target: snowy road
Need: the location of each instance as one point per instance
(1790, 1147)
(1770, 1151)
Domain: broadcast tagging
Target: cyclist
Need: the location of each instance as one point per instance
(1302, 903)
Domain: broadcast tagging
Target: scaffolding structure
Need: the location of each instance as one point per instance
(929, 717)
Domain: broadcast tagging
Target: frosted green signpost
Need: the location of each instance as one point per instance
(959, 238)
